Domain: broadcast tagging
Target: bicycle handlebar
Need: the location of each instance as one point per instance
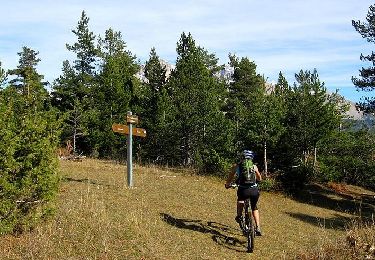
(232, 186)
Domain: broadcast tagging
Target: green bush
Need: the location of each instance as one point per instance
(211, 162)
(269, 184)
(28, 164)
(330, 173)
(348, 157)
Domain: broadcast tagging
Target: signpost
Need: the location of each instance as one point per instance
(129, 131)
(124, 129)
(131, 119)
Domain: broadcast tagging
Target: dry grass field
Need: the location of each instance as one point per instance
(171, 215)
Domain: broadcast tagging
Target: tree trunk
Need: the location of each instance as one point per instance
(74, 137)
(265, 159)
(315, 150)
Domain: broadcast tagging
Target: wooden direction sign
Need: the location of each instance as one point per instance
(139, 132)
(129, 130)
(132, 119)
(124, 129)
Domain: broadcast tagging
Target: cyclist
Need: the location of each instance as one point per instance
(247, 175)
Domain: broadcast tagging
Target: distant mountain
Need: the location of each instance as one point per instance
(169, 68)
(353, 113)
(226, 74)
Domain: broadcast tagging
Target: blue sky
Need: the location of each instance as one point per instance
(284, 36)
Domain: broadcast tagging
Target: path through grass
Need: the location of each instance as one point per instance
(167, 215)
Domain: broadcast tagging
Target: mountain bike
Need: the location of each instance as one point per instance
(247, 223)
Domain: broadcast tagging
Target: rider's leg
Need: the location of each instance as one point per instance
(258, 232)
(255, 212)
(239, 218)
(256, 217)
(240, 205)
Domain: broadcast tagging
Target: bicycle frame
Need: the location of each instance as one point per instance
(247, 227)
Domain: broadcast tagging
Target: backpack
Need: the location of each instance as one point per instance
(246, 174)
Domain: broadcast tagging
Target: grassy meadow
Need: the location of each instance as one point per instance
(173, 215)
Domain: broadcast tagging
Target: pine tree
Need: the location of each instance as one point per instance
(198, 97)
(245, 87)
(117, 73)
(86, 53)
(265, 123)
(166, 126)
(64, 88)
(72, 92)
(281, 86)
(27, 81)
(156, 76)
(30, 130)
(3, 76)
(282, 93)
(113, 94)
(311, 117)
(156, 110)
(366, 80)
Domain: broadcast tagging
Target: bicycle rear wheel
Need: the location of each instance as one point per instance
(250, 238)
(250, 231)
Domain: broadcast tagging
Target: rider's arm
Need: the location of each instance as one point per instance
(231, 175)
(258, 175)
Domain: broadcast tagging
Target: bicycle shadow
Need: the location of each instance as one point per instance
(221, 234)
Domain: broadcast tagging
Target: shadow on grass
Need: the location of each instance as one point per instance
(325, 198)
(337, 222)
(85, 180)
(220, 233)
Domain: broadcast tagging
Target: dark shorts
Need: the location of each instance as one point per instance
(251, 193)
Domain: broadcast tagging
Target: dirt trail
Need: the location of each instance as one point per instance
(174, 215)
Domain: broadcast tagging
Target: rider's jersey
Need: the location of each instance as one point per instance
(238, 172)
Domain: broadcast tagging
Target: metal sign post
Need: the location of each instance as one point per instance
(130, 153)
(129, 131)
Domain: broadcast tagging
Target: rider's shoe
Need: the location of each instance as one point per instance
(239, 220)
(258, 232)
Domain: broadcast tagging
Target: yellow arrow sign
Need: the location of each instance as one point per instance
(124, 129)
(132, 119)
(139, 132)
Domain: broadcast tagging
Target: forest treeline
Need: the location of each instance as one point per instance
(193, 117)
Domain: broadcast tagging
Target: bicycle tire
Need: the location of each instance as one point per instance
(251, 238)
(250, 230)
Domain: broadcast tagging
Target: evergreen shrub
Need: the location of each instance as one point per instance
(28, 164)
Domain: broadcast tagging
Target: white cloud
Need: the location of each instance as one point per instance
(278, 35)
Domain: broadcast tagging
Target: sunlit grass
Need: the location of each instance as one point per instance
(359, 243)
(167, 215)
